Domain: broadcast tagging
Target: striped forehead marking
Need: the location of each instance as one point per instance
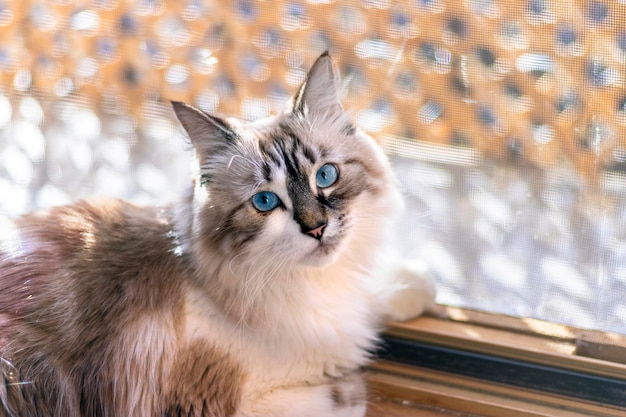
(284, 148)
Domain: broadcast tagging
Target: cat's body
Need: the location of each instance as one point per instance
(259, 294)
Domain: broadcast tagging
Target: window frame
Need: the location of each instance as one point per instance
(410, 368)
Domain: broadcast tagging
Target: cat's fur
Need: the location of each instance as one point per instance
(210, 307)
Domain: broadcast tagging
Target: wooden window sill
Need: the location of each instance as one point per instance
(577, 363)
(384, 407)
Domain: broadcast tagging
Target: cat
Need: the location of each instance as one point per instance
(260, 293)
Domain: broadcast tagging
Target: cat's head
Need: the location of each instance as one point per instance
(294, 189)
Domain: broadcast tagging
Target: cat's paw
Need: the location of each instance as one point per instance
(414, 291)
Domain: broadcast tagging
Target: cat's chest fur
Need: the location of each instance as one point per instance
(316, 328)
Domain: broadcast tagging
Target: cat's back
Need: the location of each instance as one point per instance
(104, 248)
(86, 226)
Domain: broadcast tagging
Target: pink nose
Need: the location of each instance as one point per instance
(317, 232)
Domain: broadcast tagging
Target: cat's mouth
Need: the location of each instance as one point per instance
(326, 249)
(322, 255)
(323, 247)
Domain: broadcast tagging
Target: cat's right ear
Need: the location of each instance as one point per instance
(319, 93)
(209, 134)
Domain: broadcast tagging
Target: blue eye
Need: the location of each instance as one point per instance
(265, 201)
(326, 176)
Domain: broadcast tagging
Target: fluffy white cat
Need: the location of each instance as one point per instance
(259, 294)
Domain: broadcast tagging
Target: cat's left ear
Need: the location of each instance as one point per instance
(209, 134)
(319, 93)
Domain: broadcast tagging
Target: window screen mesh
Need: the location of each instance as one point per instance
(506, 122)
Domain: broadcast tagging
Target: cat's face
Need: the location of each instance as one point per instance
(294, 189)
